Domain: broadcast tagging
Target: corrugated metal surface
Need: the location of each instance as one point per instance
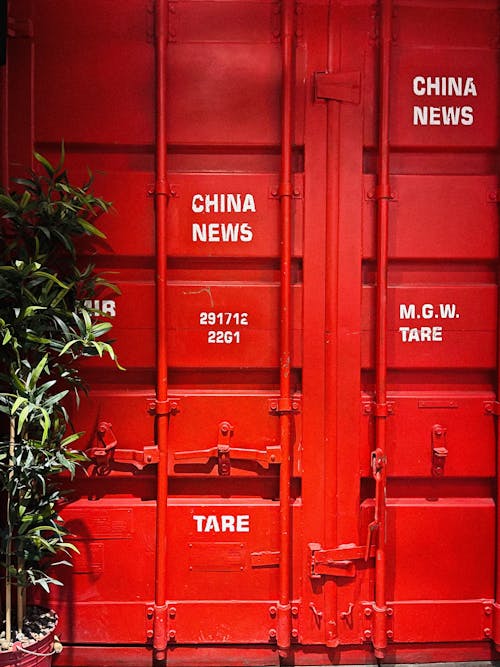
(366, 343)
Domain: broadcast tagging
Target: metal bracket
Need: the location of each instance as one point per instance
(338, 86)
(162, 408)
(493, 197)
(492, 408)
(378, 409)
(19, 28)
(283, 406)
(106, 452)
(337, 562)
(439, 450)
(370, 612)
(162, 190)
(274, 193)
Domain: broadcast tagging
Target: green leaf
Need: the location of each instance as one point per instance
(17, 404)
(34, 376)
(22, 417)
(50, 169)
(71, 438)
(91, 229)
(53, 278)
(25, 199)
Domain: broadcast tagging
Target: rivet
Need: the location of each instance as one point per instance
(295, 611)
(272, 611)
(390, 611)
(172, 634)
(172, 611)
(487, 632)
(295, 633)
(368, 612)
(150, 612)
(367, 634)
(272, 634)
(149, 634)
(488, 610)
(390, 634)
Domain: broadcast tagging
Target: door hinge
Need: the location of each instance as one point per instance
(338, 86)
(337, 562)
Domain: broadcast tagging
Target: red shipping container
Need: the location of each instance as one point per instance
(301, 458)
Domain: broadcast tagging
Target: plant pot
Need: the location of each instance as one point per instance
(37, 654)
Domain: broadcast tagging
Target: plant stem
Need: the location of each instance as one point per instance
(21, 595)
(8, 555)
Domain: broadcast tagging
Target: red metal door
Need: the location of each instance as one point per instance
(301, 456)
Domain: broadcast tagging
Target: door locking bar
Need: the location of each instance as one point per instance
(106, 452)
(224, 452)
(337, 562)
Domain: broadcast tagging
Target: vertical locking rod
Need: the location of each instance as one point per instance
(383, 194)
(331, 320)
(284, 618)
(161, 203)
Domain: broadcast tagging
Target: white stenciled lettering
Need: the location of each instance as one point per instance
(226, 523)
(105, 307)
(407, 312)
(427, 311)
(243, 523)
(421, 334)
(199, 518)
(443, 115)
(448, 311)
(467, 116)
(214, 235)
(225, 337)
(444, 86)
(211, 203)
(197, 204)
(220, 202)
(444, 311)
(212, 524)
(220, 232)
(211, 317)
(249, 204)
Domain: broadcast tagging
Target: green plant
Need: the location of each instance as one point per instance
(46, 326)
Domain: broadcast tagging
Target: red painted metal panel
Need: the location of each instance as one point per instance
(306, 242)
(468, 231)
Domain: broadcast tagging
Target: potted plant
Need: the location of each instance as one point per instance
(45, 329)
